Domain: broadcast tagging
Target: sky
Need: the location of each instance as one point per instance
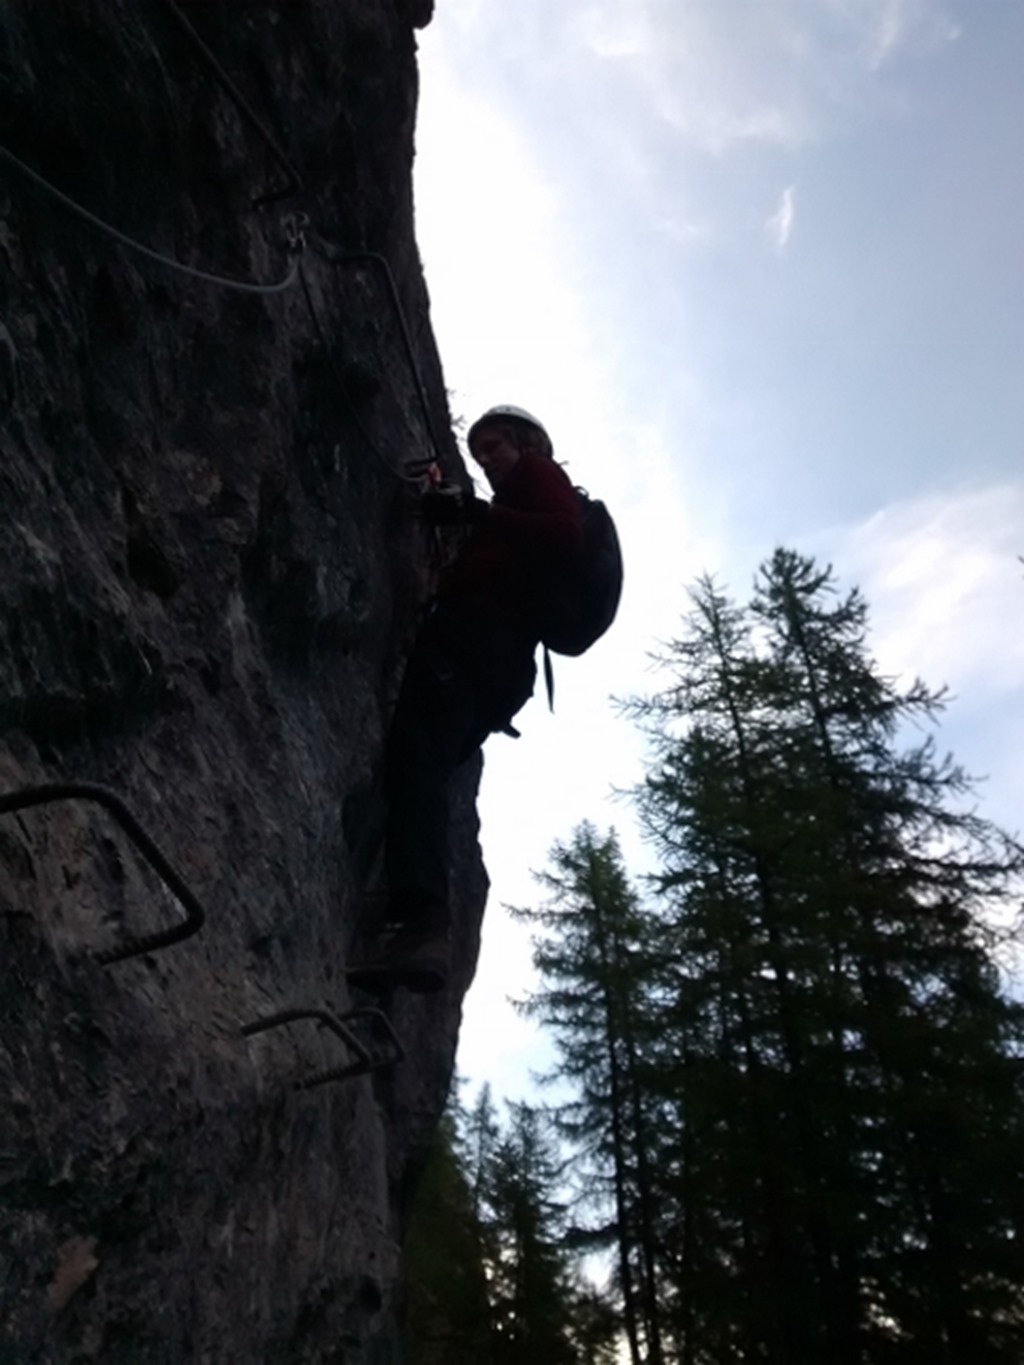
(758, 266)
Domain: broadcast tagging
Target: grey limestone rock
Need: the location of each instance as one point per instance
(207, 583)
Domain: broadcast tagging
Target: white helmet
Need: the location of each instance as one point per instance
(508, 412)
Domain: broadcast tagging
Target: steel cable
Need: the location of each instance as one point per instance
(340, 381)
(244, 108)
(223, 281)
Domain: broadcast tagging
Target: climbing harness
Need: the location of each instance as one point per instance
(369, 1056)
(244, 108)
(195, 915)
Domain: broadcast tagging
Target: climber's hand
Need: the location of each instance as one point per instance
(451, 507)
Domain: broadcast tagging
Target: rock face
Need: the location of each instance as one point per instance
(208, 576)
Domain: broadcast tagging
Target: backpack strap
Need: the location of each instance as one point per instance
(549, 678)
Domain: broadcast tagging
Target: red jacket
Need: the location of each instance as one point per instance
(530, 536)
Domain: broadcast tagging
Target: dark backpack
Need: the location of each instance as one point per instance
(579, 611)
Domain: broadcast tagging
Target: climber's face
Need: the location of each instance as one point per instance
(496, 452)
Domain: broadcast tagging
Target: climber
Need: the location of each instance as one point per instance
(470, 671)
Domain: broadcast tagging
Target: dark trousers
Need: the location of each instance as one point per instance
(443, 716)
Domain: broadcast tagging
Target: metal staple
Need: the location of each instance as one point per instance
(367, 1058)
(195, 915)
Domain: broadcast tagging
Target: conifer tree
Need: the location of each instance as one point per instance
(903, 877)
(490, 1278)
(731, 1080)
(478, 1134)
(589, 963)
(447, 1318)
(839, 1083)
(799, 1086)
(595, 1328)
(529, 1275)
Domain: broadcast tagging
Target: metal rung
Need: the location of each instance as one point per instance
(369, 1057)
(195, 915)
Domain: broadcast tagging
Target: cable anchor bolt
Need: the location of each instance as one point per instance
(295, 225)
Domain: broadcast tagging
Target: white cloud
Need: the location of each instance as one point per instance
(945, 589)
(465, 15)
(887, 28)
(614, 31)
(723, 74)
(779, 226)
(705, 75)
(683, 231)
(944, 584)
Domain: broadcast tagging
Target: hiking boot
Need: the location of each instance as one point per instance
(414, 958)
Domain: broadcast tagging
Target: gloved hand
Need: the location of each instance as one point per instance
(451, 506)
